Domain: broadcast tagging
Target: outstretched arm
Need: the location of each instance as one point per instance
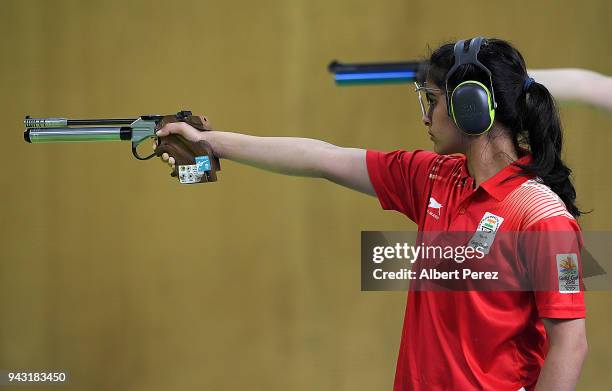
(284, 155)
(576, 85)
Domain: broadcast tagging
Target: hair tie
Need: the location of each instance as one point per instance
(527, 83)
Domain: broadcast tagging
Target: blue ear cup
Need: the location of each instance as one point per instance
(471, 107)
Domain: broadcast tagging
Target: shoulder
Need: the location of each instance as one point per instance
(537, 203)
(401, 160)
(445, 167)
(418, 165)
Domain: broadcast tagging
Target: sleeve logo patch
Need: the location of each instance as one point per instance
(567, 270)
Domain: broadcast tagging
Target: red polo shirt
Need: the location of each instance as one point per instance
(476, 340)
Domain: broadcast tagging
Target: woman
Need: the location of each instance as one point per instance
(510, 172)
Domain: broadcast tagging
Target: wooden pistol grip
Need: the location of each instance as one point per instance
(184, 153)
(200, 122)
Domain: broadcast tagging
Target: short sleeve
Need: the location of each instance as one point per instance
(400, 179)
(551, 251)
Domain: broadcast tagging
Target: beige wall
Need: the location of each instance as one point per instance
(111, 270)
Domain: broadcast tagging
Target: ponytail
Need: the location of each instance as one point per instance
(544, 136)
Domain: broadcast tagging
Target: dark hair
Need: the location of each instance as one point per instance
(531, 116)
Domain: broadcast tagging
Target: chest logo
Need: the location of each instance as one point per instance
(434, 209)
(485, 233)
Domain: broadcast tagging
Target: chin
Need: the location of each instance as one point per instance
(440, 150)
(444, 149)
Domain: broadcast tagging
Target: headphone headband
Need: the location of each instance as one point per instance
(469, 55)
(471, 104)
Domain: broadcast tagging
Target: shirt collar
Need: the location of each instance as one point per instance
(507, 179)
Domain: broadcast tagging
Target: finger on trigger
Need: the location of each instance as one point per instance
(173, 127)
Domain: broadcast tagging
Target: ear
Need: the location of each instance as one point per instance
(472, 107)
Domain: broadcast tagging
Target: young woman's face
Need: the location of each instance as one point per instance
(447, 138)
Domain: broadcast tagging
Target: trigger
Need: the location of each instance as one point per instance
(137, 156)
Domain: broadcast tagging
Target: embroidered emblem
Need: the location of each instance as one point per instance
(434, 209)
(486, 231)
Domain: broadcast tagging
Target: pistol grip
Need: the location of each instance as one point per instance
(189, 156)
(201, 123)
(194, 162)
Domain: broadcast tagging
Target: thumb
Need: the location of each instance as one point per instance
(172, 128)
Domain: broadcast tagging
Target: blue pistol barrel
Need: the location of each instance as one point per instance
(374, 73)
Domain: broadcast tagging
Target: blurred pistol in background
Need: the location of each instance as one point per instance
(346, 74)
(194, 161)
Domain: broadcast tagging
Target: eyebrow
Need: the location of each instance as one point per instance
(433, 89)
(427, 90)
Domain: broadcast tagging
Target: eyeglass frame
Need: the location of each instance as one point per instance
(418, 89)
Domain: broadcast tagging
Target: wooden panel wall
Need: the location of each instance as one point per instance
(111, 270)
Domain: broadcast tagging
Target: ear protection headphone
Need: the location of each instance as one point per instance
(471, 105)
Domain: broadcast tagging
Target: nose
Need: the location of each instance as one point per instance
(426, 120)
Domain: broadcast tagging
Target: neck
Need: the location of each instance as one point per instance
(488, 154)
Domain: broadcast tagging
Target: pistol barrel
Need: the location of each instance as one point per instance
(65, 134)
(63, 122)
(45, 122)
(374, 73)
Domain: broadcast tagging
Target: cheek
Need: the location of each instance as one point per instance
(448, 136)
(440, 116)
